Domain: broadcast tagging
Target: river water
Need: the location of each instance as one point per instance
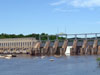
(65, 65)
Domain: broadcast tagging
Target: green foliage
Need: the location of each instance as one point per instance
(43, 36)
(61, 38)
(98, 59)
(52, 37)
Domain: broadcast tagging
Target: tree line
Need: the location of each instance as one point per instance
(43, 36)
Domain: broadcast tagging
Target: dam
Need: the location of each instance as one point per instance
(74, 46)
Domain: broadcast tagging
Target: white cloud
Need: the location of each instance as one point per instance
(85, 3)
(79, 3)
(58, 3)
(66, 10)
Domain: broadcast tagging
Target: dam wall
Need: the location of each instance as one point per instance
(85, 47)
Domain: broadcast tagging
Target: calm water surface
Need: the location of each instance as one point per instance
(69, 65)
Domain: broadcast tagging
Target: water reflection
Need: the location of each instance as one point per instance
(69, 65)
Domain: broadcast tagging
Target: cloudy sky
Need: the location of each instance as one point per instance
(49, 16)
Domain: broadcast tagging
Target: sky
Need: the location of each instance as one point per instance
(49, 16)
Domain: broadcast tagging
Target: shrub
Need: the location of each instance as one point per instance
(98, 59)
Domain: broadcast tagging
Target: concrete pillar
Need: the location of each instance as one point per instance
(48, 38)
(98, 50)
(55, 46)
(64, 47)
(36, 49)
(74, 47)
(56, 37)
(95, 46)
(85, 36)
(89, 50)
(84, 47)
(96, 35)
(39, 37)
(46, 47)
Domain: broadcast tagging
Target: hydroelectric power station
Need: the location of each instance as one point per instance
(84, 45)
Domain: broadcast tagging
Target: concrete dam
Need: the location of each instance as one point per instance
(75, 46)
(85, 46)
(59, 48)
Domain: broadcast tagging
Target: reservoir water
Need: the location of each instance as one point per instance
(65, 65)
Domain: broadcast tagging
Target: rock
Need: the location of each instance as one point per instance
(13, 55)
(51, 59)
(2, 56)
(8, 57)
(57, 56)
(42, 57)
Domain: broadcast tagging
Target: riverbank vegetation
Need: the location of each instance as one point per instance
(98, 60)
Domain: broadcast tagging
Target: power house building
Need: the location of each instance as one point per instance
(13, 45)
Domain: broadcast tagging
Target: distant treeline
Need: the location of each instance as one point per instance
(43, 36)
